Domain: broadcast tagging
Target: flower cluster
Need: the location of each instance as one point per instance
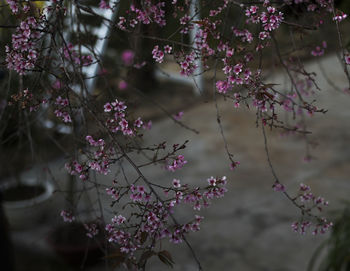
(308, 202)
(62, 112)
(271, 19)
(340, 17)
(155, 219)
(118, 121)
(278, 187)
(177, 163)
(91, 230)
(101, 157)
(73, 56)
(319, 51)
(306, 196)
(322, 227)
(138, 193)
(14, 6)
(24, 52)
(99, 160)
(111, 191)
(215, 12)
(145, 209)
(158, 54)
(149, 13)
(26, 99)
(187, 64)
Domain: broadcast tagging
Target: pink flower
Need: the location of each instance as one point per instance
(118, 220)
(128, 57)
(141, 189)
(67, 216)
(78, 167)
(57, 84)
(124, 124)
(138, 123)
(222, 86)
(237, 68)
(347, 59)
(104, 5)
(212, 181)
(122, 85)
(176, 183)
(178, 163)
(113, 193)
(295, 226)
(178, 116)
(263, 35)
(108, 107)
(340, 17)
(304, 187)
(147, 126)
(119, 105)
(167, 49)
(318, 51)
(234, 164)
(92, 230)
(158, 55)
(278, 187)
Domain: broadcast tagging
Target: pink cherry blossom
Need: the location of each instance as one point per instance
(128, 57)
(67, 216)
(122, 85)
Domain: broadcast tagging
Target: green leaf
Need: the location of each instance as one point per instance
(145, 256)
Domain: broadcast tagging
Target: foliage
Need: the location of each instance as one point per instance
(334, 253)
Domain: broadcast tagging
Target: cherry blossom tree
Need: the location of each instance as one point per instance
(48, 60)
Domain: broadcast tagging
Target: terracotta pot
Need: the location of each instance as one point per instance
(26, 204)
